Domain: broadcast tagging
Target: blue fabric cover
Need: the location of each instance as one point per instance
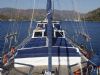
(36, 42)
(60, 42)
(43, 52)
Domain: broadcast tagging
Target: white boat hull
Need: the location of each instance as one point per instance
(43, 61)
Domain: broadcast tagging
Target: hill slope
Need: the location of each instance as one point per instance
(93, 15)
(40, 14)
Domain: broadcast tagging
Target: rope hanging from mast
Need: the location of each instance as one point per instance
(8, 52)
(82, 31)
(30, 27)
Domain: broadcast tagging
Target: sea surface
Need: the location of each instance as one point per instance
(92, 29)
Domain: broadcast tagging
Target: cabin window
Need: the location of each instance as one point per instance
(45, 34)
(57, 26)
(59, 34)
(38, 34)
(40, 25)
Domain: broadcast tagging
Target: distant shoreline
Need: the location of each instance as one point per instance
(11, 14)
(56, 20)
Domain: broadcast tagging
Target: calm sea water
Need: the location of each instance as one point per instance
(92, 28)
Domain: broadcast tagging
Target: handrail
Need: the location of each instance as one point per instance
(31, 67)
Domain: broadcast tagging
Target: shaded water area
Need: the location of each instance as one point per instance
(90, 28)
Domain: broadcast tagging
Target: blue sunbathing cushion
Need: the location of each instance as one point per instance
(60, 42)
(36, 42)
(43, 52)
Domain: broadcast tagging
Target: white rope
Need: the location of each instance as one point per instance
(60, 7)
(83, 29)
(78, 15)
(17, 31)
(81, 68)
(75, 27)
(32, 18)
(8, 33)
(6, 40)
(90, 43)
